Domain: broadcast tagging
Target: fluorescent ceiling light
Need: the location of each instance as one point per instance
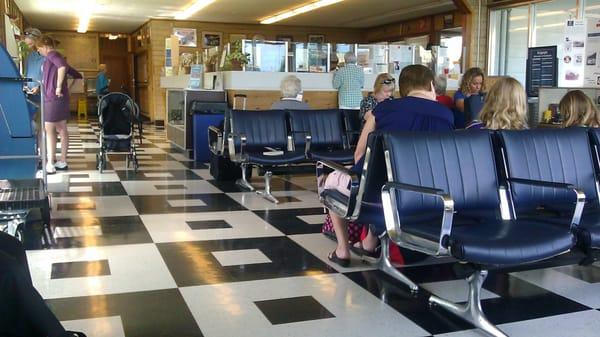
(191, 10)
(85, 13)
(293, 12)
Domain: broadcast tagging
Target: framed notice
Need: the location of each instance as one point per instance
(187, 36)
(542, 69)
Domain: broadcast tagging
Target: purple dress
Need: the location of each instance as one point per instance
(56, 109)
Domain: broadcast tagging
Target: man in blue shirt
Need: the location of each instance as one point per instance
(33, 64)
(349, 80)
(101, 81)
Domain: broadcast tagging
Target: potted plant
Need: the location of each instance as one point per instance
(236, 58)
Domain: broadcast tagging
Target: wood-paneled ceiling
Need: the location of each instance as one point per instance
(124, 16)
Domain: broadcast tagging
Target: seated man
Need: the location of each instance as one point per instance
(417, 110)
(291, 95)
(23, 312)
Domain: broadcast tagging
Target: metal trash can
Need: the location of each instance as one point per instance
(205, 114)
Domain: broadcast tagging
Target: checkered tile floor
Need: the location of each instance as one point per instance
(170, 252)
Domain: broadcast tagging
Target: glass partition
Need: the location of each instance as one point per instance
(373, 58)
(311, 57)
(266, 55)
(339, 50)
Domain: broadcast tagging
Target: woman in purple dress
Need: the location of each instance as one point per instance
(56, 101)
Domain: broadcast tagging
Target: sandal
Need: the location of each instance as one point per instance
(359, 250)
(341, 262)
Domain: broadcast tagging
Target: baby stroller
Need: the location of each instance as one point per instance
(118, 115)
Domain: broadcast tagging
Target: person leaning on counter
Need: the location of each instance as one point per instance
(349, 80)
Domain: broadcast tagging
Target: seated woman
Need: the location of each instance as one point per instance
(23, 312)
(472, 83)
(417, 110)
(291, 95)
(383, 90)
(505, 107)
(578, 109)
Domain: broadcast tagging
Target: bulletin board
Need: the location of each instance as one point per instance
(81, 50)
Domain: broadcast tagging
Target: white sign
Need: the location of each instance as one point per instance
(571, 65)
(592, 51)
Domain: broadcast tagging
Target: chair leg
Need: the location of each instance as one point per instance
(243, 182)
(266, 193)
(471, 311)
(385, 264)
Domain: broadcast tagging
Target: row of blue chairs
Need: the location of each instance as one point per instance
(279, 138)
(489, 200)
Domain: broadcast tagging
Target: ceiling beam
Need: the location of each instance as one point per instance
(463, 6)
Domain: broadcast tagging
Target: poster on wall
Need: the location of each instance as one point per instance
(571, 64)
(592, 61)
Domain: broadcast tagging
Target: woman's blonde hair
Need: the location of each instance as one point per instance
(505, 106)
(384, 81)
(468, 77)
(579, 110)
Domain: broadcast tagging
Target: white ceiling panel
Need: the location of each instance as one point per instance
(124, 16)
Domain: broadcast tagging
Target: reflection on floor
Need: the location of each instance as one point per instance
(168, 251)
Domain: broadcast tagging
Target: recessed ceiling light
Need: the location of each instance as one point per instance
(193, 9)
(299, 10)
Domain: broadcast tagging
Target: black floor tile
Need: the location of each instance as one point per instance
(98, 189)
(141, 175)
(287, 220)
(115, 231)
(195, 165)
(158, 204)
(293, 309)
(80, 269)
(191, 263)
(161, 313)
(208, 224)
(170, 187)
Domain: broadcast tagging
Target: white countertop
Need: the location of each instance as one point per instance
(268, 81)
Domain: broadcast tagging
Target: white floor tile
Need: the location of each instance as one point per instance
(128, 263)
(173, 227)
(565, 285)
(320, 246)
(312, 219)
(229, 309)
(77, 231)
(105, 207)
(180, 157)
(203, 173)
(80, 189)
(455, 291)
(240, 257)
(158, 175)
(580, 324)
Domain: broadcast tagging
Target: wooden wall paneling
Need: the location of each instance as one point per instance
(161, 29)
(81, 50)
(114, 54)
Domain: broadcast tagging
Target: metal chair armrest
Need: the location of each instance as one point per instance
(392, 217)
(323, 168)
(579, 194)
(233, 155)
(307, 141)
(215, 140)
